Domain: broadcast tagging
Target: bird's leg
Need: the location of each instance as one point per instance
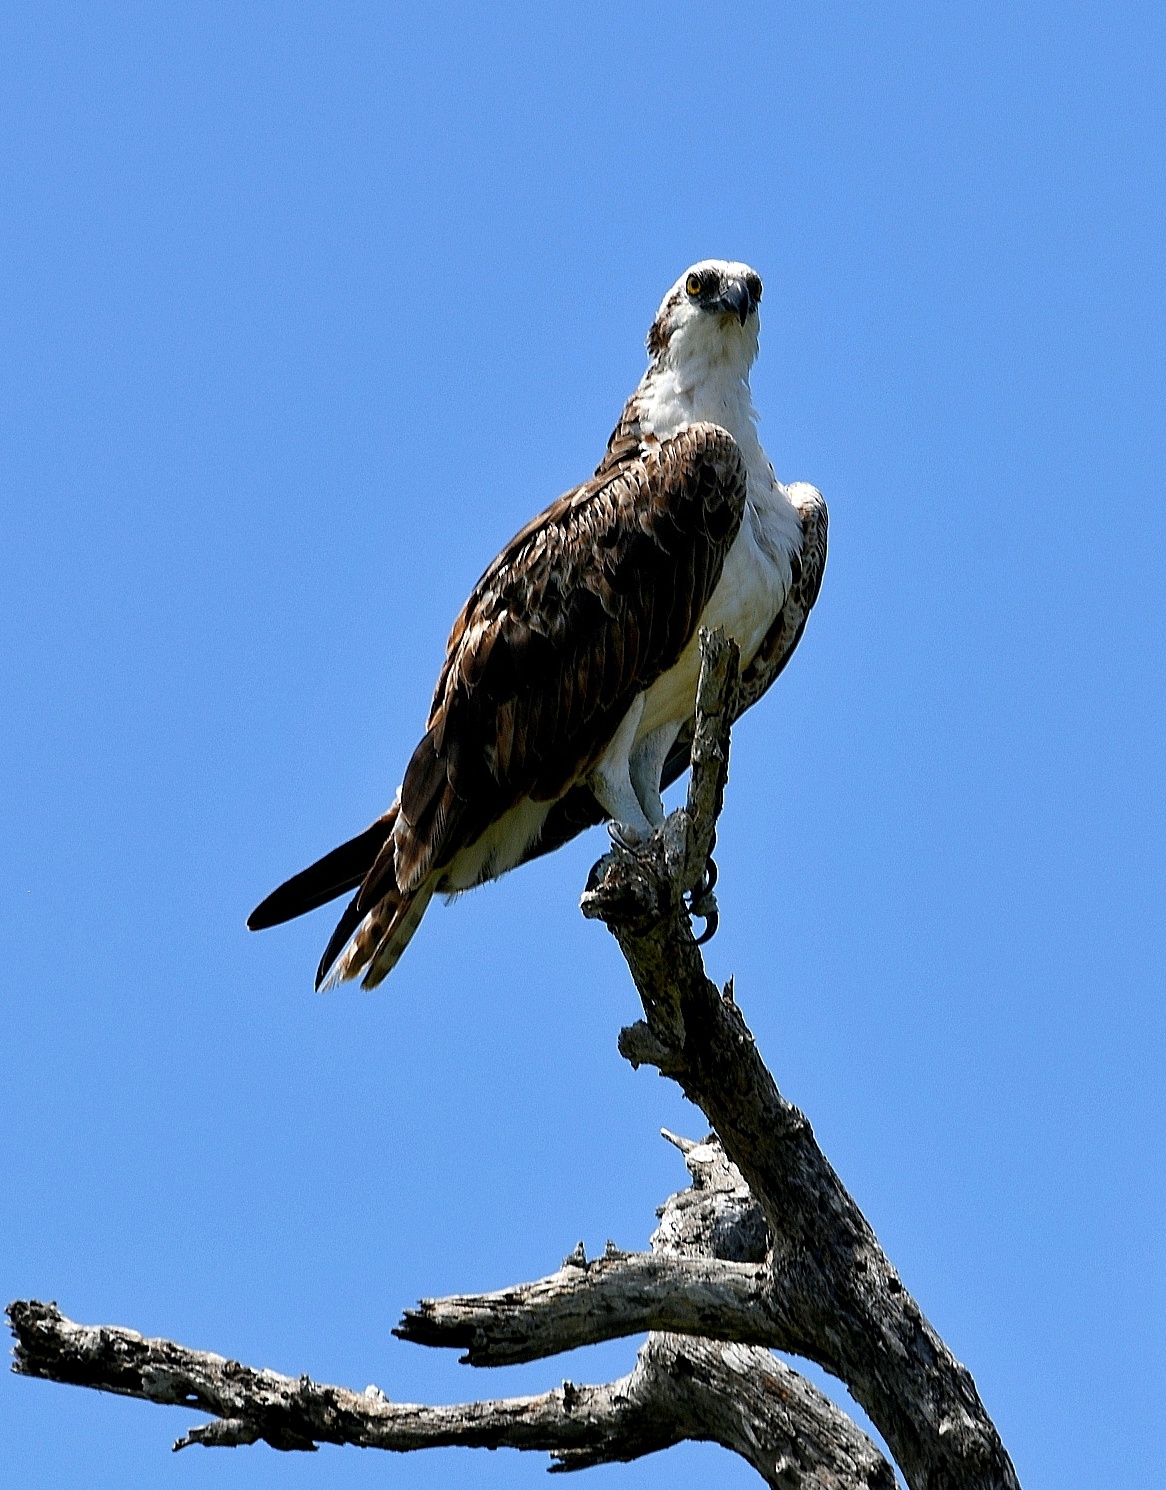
(645, 766)
(630, 825)
(611, 782)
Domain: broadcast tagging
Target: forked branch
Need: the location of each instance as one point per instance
(679, 1388)
(767, 1249)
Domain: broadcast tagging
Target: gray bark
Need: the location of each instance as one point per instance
(838, 1299)
(680, 1387)
(767, 1249)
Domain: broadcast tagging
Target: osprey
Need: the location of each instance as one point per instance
(569, 684)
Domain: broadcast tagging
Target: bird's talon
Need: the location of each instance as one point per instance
(626, 838)
(711, 917)
(708, 879)
(703, 903)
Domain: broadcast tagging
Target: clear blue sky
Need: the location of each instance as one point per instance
(304, 310)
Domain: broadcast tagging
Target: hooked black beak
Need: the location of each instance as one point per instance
(735, 299)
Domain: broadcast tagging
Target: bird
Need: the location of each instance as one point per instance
(567, 694)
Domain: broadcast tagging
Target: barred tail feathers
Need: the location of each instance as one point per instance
(379, 939)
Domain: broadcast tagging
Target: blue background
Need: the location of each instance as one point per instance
(305, 309)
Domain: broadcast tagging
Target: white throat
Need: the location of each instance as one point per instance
(703, 375)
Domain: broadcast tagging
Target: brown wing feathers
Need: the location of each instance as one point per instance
(578, 810)
(775, 651)
(585, 608)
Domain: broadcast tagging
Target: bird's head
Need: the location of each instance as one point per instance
(709, 315)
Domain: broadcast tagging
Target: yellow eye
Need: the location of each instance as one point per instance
(692, 285)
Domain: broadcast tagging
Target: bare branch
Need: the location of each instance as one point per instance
(704, 1276)
(680, 1388)
(747, 1401)
(299, 1414)
(606, 1300)
(750, 1402)
(843, 1303)
(766, 1248)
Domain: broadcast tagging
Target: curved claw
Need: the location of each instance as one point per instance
(712, 919)
(703, 903)
(624, 837)
(707, 882)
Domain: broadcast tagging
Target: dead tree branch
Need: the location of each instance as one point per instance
(679, 1389)
(839, 1300)
(767, 1249)
(618, 1294)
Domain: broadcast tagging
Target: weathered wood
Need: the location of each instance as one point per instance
(705, 1275)
(765, 1249)
(840, 1301)
(680, 1388)
(614, 1296)
(697, 1389)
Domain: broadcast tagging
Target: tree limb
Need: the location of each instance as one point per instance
(679, 1389)
(766, 1248)
(705, 1275)
(843, 1303)
(607, 1299)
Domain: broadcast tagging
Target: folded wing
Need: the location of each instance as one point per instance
(585, 608)
(578, 809)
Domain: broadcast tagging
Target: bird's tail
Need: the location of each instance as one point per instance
(344, 869)
(371, 943)
(378, 921)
